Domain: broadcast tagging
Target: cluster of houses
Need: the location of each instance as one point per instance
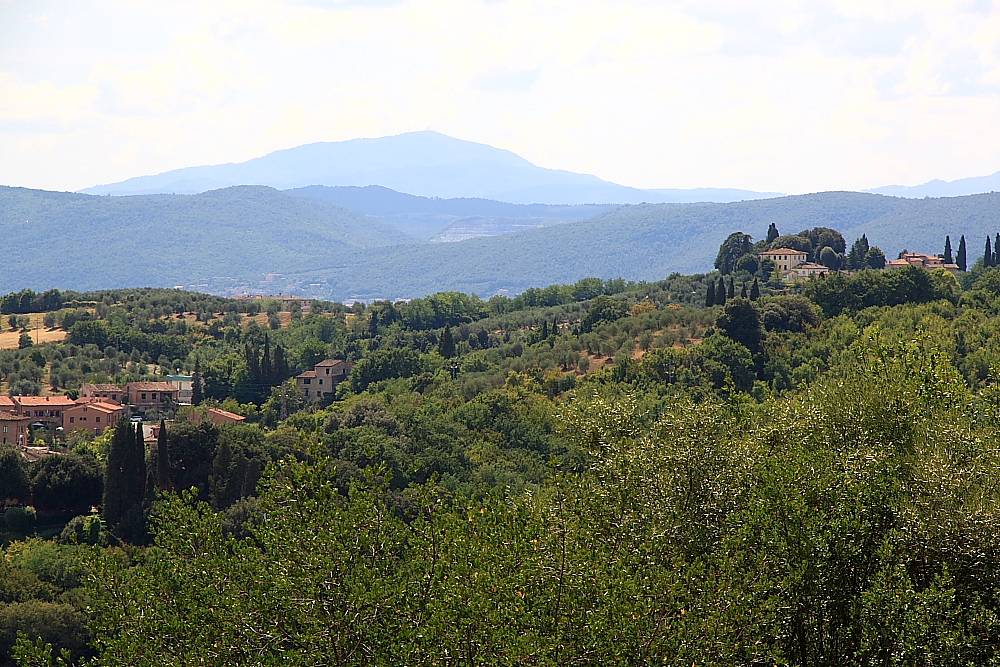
(100, 406)
(793, 265)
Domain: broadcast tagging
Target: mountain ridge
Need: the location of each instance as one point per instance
(425, 163)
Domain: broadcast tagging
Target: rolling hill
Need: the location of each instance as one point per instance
(76, 241)
(648, 242)
(427, 218)
(229, 239)
(426, 163)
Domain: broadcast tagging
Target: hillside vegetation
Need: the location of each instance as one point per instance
(84, 241)
(601, 472)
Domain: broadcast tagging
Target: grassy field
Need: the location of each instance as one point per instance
(9, 337)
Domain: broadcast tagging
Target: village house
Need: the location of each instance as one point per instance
(144, 395)
(111, 392)
(184, 385)
(804, 271)
(44, 409)
(93, 415)
(14, 429)
(216, 416)
(324, 377)
(785, 258)
(928, 262)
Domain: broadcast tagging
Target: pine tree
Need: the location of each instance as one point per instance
(755, 289)
(743, 292)
(772, 233)
(947, 251)
(732, 289)
(162, 458)
(446, 346)
(197, 393)
(720, 293)
(988, 255)
(960, 258)
(710, 294)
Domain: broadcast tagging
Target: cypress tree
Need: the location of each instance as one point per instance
(720, 293)
(125, 473)
(743, 291)
(996, 251)
(772, 233)
(988, 254)
(755, 289)
(710, 294)
(947, 251)
(162, 459)
(197, 394)
(446, 347)
(960, 258)
(732, 288)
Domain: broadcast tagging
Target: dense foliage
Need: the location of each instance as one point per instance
(597, 473)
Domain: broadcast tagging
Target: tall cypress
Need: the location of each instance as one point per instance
(772, 233)
(710, 294)
(162, 459)
(988, 254)
(125, 473)
(960, 258)
(720, 292)
(947, 251)
(755, 290)
(743, 292)
(446, 346)
(996, 251)
(732, 288)
(197, 393)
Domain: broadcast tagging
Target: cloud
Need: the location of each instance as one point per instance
(770, 94)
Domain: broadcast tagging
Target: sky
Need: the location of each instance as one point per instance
(768, 95)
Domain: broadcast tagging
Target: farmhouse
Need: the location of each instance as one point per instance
(785, 258)
(923, 261)
(151, 394)
(92, 415)
(324, 377)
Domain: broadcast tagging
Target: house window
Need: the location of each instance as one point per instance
(72, 420)
(5, 430)
(307, 393)
(143, 397)
(307, 381)
(97, 419)
(321, 380)
(327, 371)
(154, 395)
(114, 397)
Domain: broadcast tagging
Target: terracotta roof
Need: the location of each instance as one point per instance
(100, 406)
(101, 387)
(8, 417)
(43, 401)
(35, 453)
(6, 402)
(226, 414)
(784, 251)
(307, 374)
(330, 362)
(811, 265)
(150, 386)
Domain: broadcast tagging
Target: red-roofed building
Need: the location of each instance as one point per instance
(14, 429)
(44, 409)
(324, 377)
(112, 392)
(785, 258)
(151, 394)
(94, 416)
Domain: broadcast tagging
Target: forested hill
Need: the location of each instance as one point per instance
(81, 242)
(86, 241)
(648, 242)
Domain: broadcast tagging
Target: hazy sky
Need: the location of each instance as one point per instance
(767, 95)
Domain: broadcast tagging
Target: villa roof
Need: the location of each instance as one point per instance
(784, 251)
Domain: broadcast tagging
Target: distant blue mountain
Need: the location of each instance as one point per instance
(937, 188)
(426, 163)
